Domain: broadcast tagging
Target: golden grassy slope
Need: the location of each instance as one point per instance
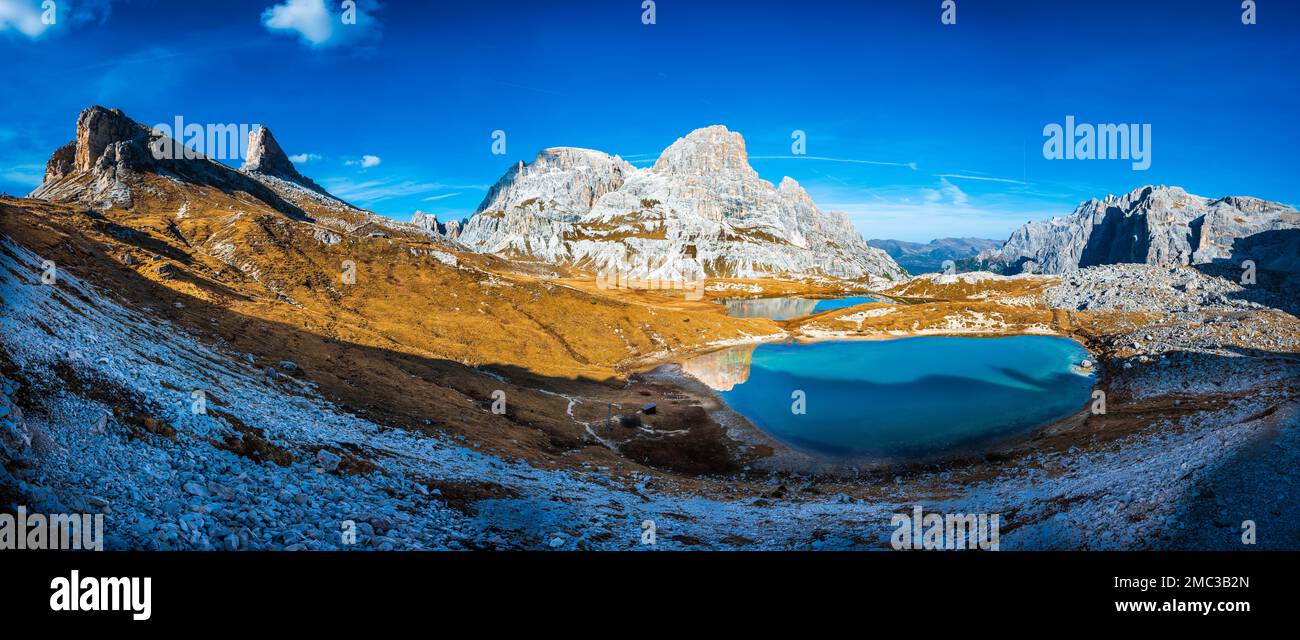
(397, 347)
(259, 263)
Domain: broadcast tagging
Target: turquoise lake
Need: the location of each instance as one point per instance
(787, 308)
(905, 398)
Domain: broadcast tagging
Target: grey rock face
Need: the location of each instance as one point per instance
(567, 179)
(97, 129)
(427, 222)
(701, 210)
(265, 155)
(1155, 225)
(61, 163)
(452, 229)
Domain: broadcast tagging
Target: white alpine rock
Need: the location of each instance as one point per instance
(700, 211)
(1155, 225)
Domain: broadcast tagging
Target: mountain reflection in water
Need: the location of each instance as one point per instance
(787, 308)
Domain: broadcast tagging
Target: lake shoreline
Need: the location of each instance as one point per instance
(787, 459)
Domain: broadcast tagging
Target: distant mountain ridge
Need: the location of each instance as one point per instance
(700, 211)
(928, 257)
(1158, 225)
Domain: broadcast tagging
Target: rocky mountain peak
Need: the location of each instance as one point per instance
(700, 211)
(1247, 204)
(266, 161)
(426, 221)
(97, 129)
(712, 150)
(264, 155)
(1145, 197)
(112, 158)
(566, 181)
(792, 190)
(557, 158)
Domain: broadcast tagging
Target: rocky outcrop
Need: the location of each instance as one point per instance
(15, 437)
(1154, 225)
(92, 169)
(700, 210)
(452, 229)
(566, 180)
(61, 163)
(112, 158)
(426, 222)
(532, 209)
(264, 155)
(97, 130)
(266, 162)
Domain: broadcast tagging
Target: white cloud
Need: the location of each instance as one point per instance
(960, 176)
(318, 27)
(440, 196)
(909, 165)
(30, 18)
(953, 192)
(25, 16)
(303, 158)
(947, 192)
(365, 162)
(372, 191)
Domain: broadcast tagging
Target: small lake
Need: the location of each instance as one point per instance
(787, 308)
(905, 398)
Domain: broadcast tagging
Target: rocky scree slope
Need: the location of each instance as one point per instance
(279, 467)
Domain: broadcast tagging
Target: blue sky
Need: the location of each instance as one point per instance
(917, 129)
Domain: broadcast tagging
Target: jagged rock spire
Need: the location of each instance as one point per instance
(265, 156)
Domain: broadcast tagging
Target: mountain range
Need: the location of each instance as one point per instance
(473, 386)
(1158, 225)
(928, 257)
(700, 211)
